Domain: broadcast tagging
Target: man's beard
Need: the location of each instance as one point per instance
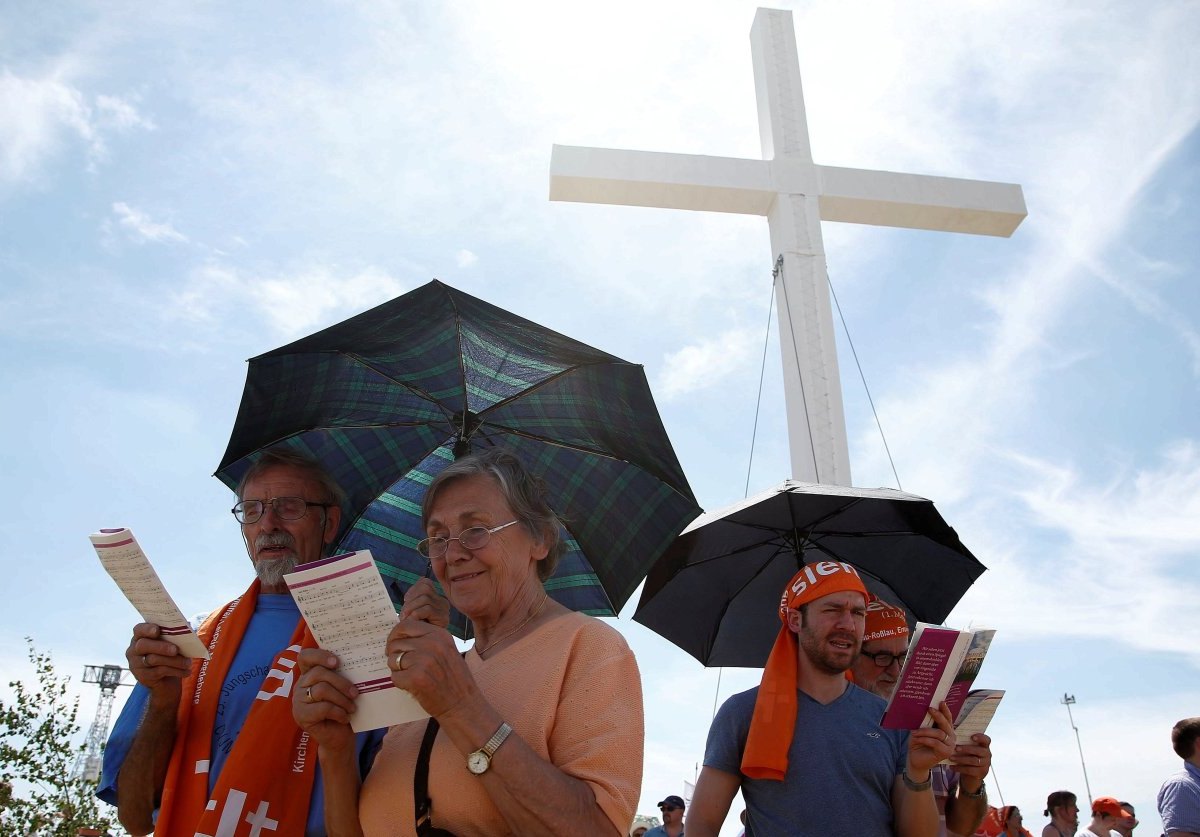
(823, 657)
(270, 571)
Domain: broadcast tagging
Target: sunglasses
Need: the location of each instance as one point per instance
(668, 808)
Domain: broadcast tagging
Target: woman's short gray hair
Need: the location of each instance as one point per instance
(524, 493)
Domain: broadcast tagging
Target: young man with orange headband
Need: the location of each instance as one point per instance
(959, 790)
(805, 747)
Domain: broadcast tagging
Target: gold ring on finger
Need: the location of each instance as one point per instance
(400, 660)
(308, 693)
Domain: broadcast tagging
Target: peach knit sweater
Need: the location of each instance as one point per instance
(570, 689)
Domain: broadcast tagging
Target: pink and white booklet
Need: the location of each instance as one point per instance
(348, 610)
(942, 664)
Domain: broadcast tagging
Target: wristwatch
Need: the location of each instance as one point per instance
(479, 761)
(913, 785)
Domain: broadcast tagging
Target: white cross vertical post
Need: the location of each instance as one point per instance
(795, 195)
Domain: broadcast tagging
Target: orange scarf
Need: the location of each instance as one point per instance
(266, 783)
(774, 720)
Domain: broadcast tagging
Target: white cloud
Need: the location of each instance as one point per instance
(465, 258)
(141, 228)
(120, 114)
(36, 116)
(292, 302)
(301, 302)
(706, 364)
(1064, 552)
(39, 116)
(1139, 288)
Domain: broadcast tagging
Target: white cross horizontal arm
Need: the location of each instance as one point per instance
(750, 187)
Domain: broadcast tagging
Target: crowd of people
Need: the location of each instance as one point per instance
(538, 727)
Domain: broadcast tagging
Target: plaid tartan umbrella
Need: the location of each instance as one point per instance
(387, 398)
(715, 592)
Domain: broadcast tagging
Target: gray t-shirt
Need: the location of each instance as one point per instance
(841, 767)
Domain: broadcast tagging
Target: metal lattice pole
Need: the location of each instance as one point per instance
(1066, 701)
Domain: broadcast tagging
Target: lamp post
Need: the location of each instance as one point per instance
(1066, 701)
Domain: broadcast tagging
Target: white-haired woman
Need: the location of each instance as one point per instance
(539, 726)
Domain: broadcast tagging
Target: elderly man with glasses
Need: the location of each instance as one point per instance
(203, 746)
(959, 791)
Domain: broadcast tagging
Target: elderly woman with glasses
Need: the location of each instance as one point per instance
(537, 729)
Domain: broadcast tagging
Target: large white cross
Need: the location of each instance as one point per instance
(795, 195)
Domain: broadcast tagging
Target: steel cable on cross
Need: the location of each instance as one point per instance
(776, 274)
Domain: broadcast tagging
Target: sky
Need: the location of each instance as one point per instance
(184, 186)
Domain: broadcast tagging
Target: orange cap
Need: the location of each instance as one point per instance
(884, 620)
(1109, 805)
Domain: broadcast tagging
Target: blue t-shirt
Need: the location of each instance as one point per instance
(841, 767)
(269, 632)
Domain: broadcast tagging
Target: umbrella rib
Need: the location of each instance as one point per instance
(861, 570)
(712, 637)
(814, 524)
(415, 390)
(462, 373)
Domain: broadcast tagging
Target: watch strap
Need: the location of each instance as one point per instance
(913, 785)
(489, 749)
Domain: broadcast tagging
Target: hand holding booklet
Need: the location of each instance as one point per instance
(942, 664)
(348, 610)
(124, 560)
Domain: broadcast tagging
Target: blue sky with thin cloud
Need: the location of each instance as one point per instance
(185, 186)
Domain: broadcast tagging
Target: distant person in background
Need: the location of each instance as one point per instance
(1063, 814)
(1179, 797)
(958, 788)
(641, 824)
(1011, 819)
(672, 811)
(1126, 826)
(1106, 813)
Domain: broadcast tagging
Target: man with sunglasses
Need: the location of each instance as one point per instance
(959, 790)
(672, 824)
(203, 745)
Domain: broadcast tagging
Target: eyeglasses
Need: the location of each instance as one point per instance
(884, 659)
(474, 538)
(286, 508)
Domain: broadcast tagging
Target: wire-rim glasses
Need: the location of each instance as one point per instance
(285, 508)
(476, 537)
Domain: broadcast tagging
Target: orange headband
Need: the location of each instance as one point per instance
(774, 721)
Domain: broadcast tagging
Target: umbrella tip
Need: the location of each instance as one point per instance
(462, 447)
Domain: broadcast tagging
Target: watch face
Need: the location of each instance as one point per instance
(478, 762)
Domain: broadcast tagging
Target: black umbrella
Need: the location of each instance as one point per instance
(715, 592)
(387, 398)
